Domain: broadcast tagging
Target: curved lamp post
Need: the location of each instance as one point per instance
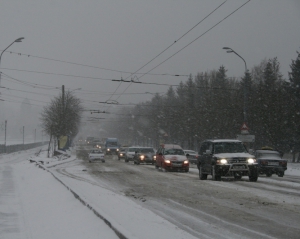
(17, 40)
(230, 50)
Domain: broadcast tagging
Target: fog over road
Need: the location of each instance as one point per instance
(268, 208)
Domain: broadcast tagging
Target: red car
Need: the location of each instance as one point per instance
(171, 157)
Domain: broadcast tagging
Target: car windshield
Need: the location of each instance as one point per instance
(268, 155)
(229, 147)
(189, 152)
(133, 149)
(96, 151)
(148, 150)
(112, 144)
(174, 152)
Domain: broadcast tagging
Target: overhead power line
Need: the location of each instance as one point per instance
(166, 49)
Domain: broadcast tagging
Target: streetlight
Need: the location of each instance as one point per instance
(17, 40)
(230, 50)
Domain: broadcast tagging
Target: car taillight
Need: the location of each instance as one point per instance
(283, 163)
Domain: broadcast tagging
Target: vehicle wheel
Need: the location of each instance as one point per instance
(215, 176)
(202, 176)
(156, 166)
(280, 174)
(90, 161)
(103, 161)
(187, 170)
(118, 158)
(126, 161)
(253, 176)
(268, 174)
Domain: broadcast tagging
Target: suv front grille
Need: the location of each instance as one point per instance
(238, 160)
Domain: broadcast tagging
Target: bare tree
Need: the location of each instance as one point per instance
(62, 116)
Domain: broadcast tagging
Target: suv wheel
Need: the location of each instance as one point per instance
(253, 176)
(202, 176)
(280, 174)
(268, 174)
(214, 175)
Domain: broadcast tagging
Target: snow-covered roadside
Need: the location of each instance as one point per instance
(34, 205)
(43, 208)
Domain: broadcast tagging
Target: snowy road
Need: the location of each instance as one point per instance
(138, 201)
(269, 208)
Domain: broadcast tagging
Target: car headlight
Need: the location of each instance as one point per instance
(108, 149)
(222, 161)
(185, 162)
(251, 160)
(121, 154)
(142, 157)
(167, 161)
(117, 149)
(154, 157)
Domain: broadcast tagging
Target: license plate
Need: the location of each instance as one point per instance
(273, 163)
(238, 167)
(176, 165)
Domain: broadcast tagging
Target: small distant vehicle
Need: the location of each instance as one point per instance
(191, 155)
(130, 152)
(96, 154)
(121, 153)
(144, 155)
(171, 157)
(89, 139)
(112, 146)
(270, 162)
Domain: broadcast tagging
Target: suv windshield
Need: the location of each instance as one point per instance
(149, 150)
(229, 147)
(174, 152)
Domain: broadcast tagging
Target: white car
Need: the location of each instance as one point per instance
(96, 154)
(130, 152)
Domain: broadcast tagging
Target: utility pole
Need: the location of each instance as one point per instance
(23, 136)
(5, 136)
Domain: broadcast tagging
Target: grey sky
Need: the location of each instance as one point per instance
(123, 35)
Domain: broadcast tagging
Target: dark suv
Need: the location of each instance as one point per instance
(226, 157)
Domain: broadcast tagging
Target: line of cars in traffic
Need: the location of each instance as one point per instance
(218, 158)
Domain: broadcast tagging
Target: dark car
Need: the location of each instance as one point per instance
(226, 157)
(191, 155)
(144, 155)
(121, 153)
(270, 162)
(171, 157)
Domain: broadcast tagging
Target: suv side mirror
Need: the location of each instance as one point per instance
(207, 151)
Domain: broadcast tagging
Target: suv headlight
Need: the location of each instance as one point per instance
(251, 160)
(142, 157)
(222, 161)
